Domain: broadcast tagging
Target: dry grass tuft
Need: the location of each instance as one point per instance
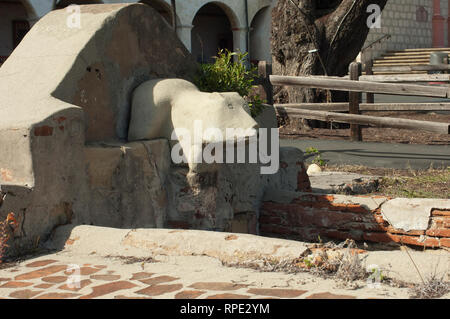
(129, 260)
(330, 261)
(409, 183)
(7, 228)
(351, 268)
(433, 287)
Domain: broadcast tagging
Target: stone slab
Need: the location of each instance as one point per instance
(343, 183)
(412, 213)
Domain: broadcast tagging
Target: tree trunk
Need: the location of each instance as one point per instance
(337, 28)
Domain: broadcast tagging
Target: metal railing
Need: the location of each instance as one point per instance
(379, 40)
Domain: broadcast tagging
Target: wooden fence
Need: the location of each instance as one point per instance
(355, 84)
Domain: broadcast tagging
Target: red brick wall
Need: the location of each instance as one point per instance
(310, 216)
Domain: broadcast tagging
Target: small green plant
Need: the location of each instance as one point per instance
(377, 274)
(318, 159)
(308, 263)
(227, 75)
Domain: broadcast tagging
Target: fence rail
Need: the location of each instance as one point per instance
(357, 119)
(406, 78)
(356, 83)
(361, 86)
(411, 68)
(370, 107)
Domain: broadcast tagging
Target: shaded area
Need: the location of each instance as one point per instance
(386, 155)
(211, 33)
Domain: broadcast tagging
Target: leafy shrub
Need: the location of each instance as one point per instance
(318, 159)
(226, 75)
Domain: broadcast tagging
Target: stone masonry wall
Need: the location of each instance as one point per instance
(399, 20)
(303, 216)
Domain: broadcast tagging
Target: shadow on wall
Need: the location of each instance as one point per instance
(76, 99)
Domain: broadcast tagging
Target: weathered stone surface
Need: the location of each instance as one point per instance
(189, 294)
(282, 293)
(343, 183)
(126, 297)
(157, 290)
(327, 295)
(412, 213)
(43, 286)
(52, 104)
(55, 279)
(106, 277)
(76, 286)
(63, 155)
(228, 296)
(43, 272)
(141, 275)
(58, 295)
(140, 242)
(306, 216)
(232, 194)
(41, 263)
(220, 286)
(313, 169)
(105, 289)
(127, 182)
(291, 165)
(158, 280)
(16, 284)
(84, 271)
(24, 294)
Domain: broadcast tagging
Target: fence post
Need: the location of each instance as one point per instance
(354, 100)
(264, 73)
(370, 97)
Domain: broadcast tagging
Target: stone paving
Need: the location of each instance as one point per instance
(89, 262)
(50, 277)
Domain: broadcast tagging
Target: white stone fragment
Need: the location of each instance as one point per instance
(411, 213)
(313, 169)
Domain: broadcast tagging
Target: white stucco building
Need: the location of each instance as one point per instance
(202, 25)
(205, 25)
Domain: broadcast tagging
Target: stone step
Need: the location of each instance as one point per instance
(343, 183)
(403, 61)
(421, 50)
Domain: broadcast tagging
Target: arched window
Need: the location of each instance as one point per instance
(14, 26)
(60, 4)
(421, 14)
(162, 7)
(260, 36)
(212, 32)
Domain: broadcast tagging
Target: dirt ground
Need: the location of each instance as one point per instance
(431, 183)
(296, 130)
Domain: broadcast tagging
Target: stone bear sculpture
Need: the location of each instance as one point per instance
(161, 105)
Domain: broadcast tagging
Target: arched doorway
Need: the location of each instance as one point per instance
(14, 25)
(212, 31)
(163, 8)
(260, 36)
(60, 4)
